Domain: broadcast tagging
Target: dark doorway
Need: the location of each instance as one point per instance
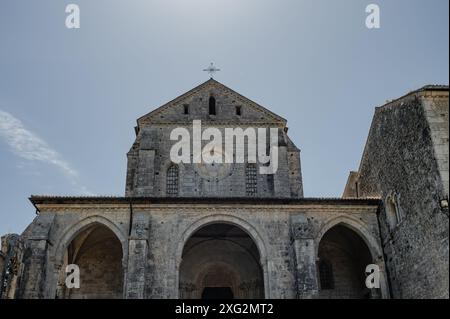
(217, 293)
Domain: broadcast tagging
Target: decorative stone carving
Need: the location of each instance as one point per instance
(140, 227)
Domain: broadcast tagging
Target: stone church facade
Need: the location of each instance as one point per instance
(197, 230)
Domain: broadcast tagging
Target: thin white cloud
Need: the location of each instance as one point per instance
(29, 146)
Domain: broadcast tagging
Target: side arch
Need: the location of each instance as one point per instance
(365, 235)
(73, 232)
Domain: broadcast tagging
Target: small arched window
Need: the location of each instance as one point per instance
(393, 215)
(172, 180)
(251, 180)
(326, 275)
(212, 105)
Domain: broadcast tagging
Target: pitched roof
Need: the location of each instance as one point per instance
(211, 83)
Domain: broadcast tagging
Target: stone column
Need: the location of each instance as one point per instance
(137, 257)
(305, 257)
(33, 282)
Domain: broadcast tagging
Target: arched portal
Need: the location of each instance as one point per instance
(342, 259)
(221, 261)
(98, 253)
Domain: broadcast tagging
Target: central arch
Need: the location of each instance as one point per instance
(221, 260)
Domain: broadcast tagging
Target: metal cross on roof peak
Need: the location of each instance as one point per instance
(211, 69)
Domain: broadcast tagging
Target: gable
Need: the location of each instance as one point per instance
(227, 103)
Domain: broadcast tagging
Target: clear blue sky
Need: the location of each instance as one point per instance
(69, 98)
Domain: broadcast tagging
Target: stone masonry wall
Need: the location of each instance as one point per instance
(401, 163)
(436, 111)
(149, 157)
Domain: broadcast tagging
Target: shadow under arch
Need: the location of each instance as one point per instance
(84, 234)
(356, 226)
(232, 220)
(74, 230)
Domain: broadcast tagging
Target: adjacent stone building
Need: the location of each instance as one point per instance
(226, 230)
(405, 163)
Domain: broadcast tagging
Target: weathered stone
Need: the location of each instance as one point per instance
(184, 233)
(405, 163)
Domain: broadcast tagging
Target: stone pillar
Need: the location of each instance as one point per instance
(305, 257)
(9, 265)
(384, 285)
(59, 281)
(135, 282)
(33, 281)
(33, 277)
